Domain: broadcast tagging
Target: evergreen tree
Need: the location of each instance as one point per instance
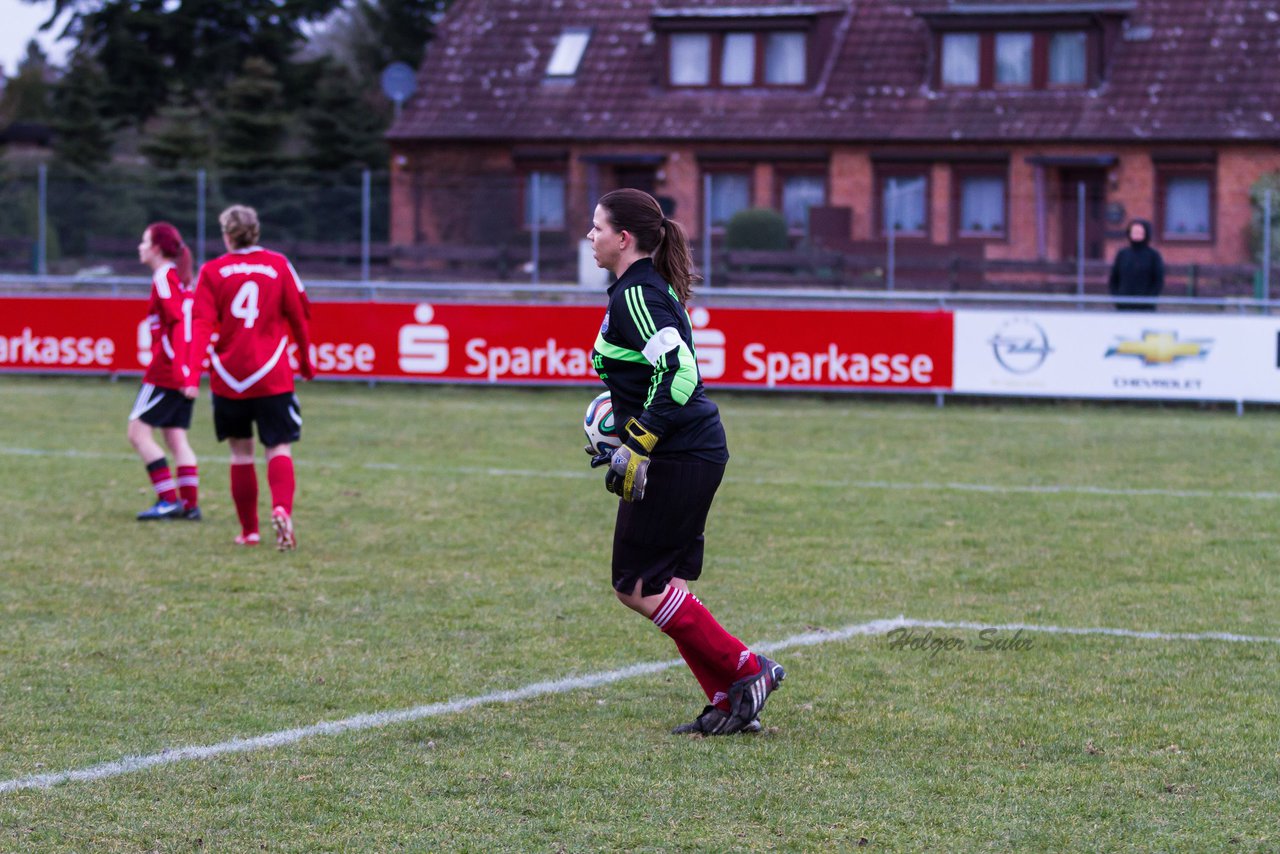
(27, 93)
(344, 126)
(394, 31)
(251, 127)
(82, 138)
(179, 138)
(149, 46)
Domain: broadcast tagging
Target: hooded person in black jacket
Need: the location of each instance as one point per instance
(1138, 270)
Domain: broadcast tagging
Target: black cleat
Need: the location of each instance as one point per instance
(162, 510)
(192, 514)
(748, 695)
(712, 721)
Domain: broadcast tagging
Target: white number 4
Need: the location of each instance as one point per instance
(245, 304)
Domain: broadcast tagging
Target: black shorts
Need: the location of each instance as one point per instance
(162, 407)
(660, 537)
(278, 416)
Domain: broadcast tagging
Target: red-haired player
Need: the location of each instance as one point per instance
(253, 299)
(161, 403)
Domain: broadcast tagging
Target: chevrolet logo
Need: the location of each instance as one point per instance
(1162, 348)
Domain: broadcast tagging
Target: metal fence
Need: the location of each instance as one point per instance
(522, 229)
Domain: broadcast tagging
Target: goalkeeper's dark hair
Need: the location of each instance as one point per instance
(639, 213)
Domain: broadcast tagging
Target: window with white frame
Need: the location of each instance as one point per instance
(1014, 52)
(799, 193)
(961, 59)
(785, 59)
(730, 193)
(1068, 59)
(904, 204)
(567, 55)
(738, 59)
(544, 201)
(690, 59)
(1188, 207)
(982, 206)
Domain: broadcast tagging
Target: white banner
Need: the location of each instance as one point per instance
(1122, 355)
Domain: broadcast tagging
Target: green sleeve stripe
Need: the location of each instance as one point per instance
(686, 378)
(640, 312)
(659, 371)
(621, 354)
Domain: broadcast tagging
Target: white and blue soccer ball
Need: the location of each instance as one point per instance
(598, 424)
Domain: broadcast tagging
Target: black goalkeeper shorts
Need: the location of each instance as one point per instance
(660, 537)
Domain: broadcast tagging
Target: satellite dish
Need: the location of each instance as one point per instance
(398, 83)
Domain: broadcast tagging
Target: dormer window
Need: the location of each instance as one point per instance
(1068, 59)
(690, 59)
(738, 58)
(1014, 60)
(568, 52)
(1013, 46)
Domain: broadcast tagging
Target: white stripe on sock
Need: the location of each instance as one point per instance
(669, 607)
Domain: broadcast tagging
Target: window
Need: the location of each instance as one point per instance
(568, 53)
(784, 59)
(765, 58)
(730, 193)
(981, 207)
(1014, 52)
(690, 59)
(799, 193)
(961, 59)
(904, 204)
(544, 201)
(1015, 60)
(1187, 209)
(1068, 59)
(738, 59)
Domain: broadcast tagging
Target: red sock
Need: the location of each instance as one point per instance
(161, 480)
(244, 492)
(189, 486)
(716, 657)
(280, 478)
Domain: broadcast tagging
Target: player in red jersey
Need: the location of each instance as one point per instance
(161, 403)
(253, 299)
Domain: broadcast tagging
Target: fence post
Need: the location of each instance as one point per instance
(1080, 193)
(366, 192)
(891, 270)
(535, 224)
(1266, 245)
(201, 186)
(707, 262)
(42, 220)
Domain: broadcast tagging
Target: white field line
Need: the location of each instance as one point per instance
(916, 486)
(130, 764)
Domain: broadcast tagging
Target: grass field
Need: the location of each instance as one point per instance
(454, 544)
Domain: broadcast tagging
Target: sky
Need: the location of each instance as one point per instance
(20, 22)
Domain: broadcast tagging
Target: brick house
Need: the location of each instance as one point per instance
(973, 126)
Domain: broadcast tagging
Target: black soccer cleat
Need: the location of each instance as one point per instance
(162, 510)
(748, 695)
(192, 514)
(712, 721)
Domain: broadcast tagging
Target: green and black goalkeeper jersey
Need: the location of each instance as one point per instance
(644, 354)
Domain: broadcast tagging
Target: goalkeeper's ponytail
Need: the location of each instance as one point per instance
(639, 213)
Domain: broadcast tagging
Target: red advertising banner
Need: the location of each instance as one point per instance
(516, 343)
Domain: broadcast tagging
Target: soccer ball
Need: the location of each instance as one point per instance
(602, 433)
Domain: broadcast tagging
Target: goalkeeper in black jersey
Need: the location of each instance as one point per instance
(673, 458)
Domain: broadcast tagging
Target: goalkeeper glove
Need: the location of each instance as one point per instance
(629, 468)
(599, 457)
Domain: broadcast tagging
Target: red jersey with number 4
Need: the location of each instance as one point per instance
(253, 299)
(169, 320)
